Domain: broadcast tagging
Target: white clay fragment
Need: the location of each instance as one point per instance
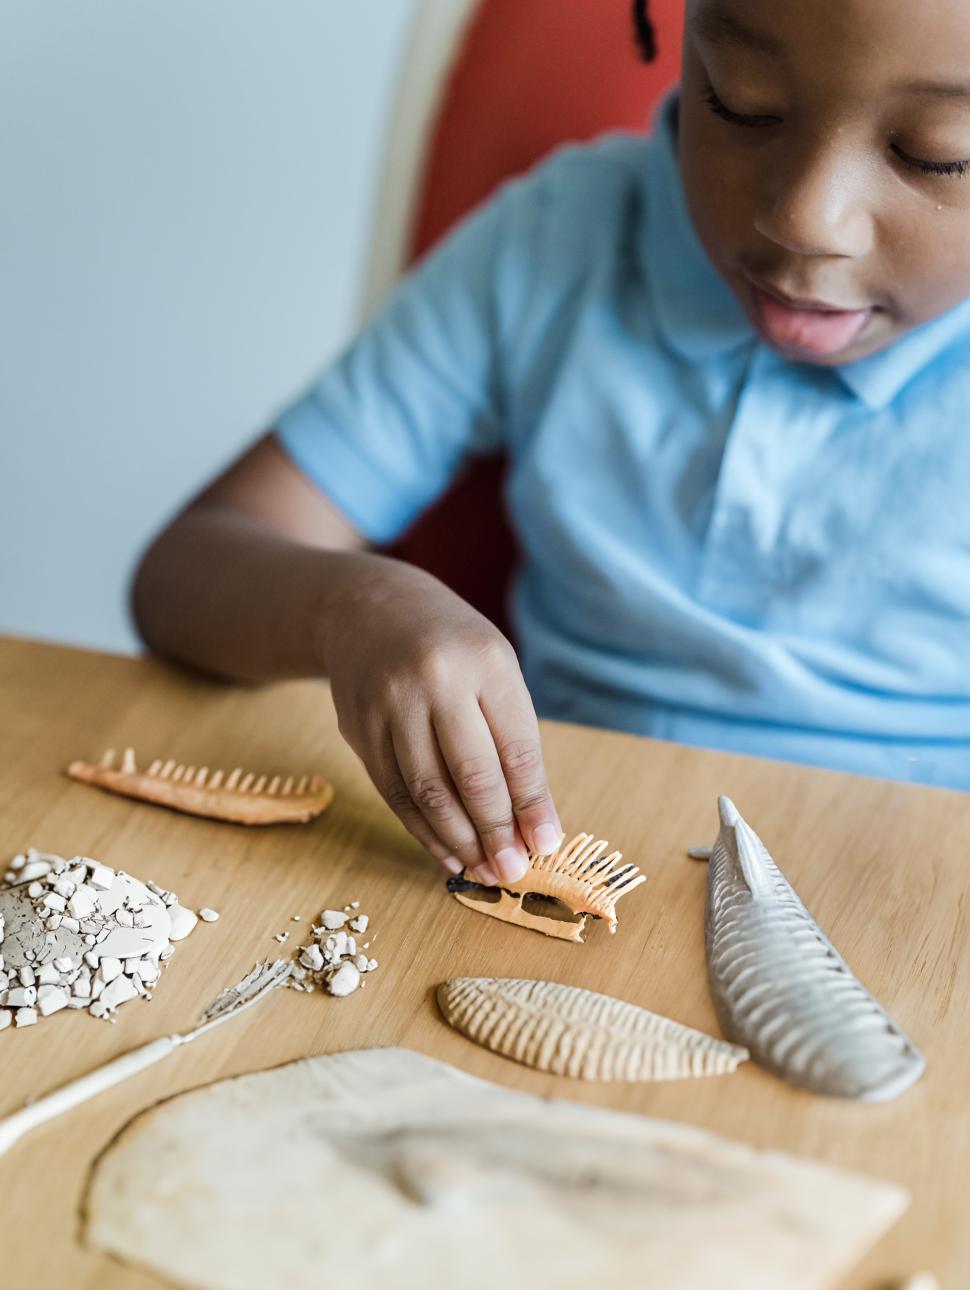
(25, 1017)
(183, 921)
(6, 1017)
(50, 998)
(332, 919)
(312, 958)
(100, 876)
(379, 1169)
(343, 980)
(208, 915)
(118, 992)
(22, 996)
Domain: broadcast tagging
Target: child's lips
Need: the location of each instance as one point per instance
(806, 329)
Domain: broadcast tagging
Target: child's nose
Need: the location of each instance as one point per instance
(818, 204)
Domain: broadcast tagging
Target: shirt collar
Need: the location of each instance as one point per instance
(700, 316)
(879, 378)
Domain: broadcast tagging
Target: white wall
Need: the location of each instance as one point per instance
(185, 208)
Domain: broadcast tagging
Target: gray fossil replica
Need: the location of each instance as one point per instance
(781, 988)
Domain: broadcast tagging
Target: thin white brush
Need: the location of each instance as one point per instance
(261, 981)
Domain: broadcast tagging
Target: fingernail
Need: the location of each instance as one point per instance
(510, 865)
(484, 875)
(547, 838)
(452, 864)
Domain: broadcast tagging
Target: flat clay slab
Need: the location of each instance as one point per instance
(385, 1168)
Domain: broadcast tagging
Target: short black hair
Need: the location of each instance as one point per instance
(643, 29)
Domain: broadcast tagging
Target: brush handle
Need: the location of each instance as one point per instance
(80, 1090)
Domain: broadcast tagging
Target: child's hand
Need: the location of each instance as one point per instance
(430, 696)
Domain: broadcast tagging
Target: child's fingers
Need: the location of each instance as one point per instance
(387, 778)
(473, 762)
(430, 788)
(507, 708)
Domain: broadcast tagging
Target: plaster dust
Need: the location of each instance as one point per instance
(387, 1168)
(76, 934)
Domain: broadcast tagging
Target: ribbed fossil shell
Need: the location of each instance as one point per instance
(568, 1031)
(237, 798)
(782, 989)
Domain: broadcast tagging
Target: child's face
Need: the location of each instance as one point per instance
(825, 148)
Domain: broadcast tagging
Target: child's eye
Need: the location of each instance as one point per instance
(933, 167)
(736, 118)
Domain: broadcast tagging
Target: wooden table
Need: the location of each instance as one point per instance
(883, 867)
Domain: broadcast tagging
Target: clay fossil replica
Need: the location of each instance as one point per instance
(386, 1168)
(238, 798)
(782, 989)
(568, 1031)
(576, 873)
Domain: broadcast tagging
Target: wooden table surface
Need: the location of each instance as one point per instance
(882, 866)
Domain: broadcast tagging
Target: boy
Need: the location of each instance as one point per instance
(730, 367)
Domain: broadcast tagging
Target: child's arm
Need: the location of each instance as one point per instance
(262, 577)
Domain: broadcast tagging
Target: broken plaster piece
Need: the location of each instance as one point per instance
(343, 980)
(183, 921)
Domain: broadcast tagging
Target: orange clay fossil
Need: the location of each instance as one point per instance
(573, 875)
(238, 798)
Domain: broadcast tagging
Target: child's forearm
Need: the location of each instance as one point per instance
(427, 692)
(222, 592)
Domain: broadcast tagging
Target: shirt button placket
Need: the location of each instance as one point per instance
(736, 573)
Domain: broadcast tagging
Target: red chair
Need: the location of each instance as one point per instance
(529, 75)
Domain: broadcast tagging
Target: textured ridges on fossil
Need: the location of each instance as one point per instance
(568, 1031)
(576, 873)
(238, 798)
(782, 989)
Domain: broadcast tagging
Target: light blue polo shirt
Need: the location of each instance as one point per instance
(721, 546)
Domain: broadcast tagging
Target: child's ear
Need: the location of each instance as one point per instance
(644, 30)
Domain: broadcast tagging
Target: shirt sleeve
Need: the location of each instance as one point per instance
(384, 429)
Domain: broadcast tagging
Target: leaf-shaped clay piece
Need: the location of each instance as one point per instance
(568, 1031)
(782, 989)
